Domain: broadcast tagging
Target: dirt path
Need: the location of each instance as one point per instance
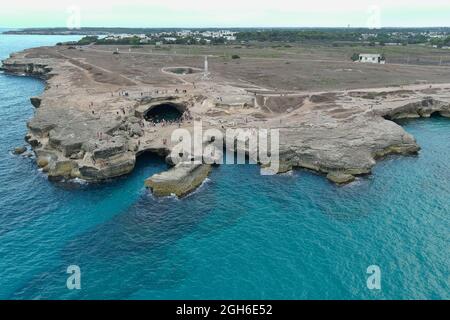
(84, 66)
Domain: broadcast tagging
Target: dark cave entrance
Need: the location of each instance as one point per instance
(169, 112)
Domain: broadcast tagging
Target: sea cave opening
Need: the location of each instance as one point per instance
(436, 114)
(183, 70)
(168, 112)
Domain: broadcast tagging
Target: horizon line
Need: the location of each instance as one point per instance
(235, 27)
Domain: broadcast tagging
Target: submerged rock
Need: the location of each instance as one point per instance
(20, 150)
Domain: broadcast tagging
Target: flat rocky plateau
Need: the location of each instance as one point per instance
(90, 121)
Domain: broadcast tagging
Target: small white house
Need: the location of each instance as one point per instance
(170, 39)
(371, 58)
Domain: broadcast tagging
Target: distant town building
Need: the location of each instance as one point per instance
(371, 58)
(170, 39)
(230, 38)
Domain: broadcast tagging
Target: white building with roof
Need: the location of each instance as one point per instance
(371, 58)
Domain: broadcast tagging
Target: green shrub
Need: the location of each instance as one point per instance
(87, 40)
(355, 57)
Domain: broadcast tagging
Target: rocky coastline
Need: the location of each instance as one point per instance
(90, 122)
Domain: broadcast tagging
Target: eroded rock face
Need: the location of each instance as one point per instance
(420, 109)
(107, 150)
(350, 148)
(115, 166)
(65, 169)
(29, 68)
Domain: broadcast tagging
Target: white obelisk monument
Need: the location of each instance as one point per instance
(205, 71)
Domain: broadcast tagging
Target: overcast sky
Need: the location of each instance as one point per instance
(225, 13)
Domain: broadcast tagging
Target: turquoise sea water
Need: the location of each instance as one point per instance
(241, 236)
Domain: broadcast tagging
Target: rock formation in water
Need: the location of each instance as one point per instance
(91, 121)
(179, 181)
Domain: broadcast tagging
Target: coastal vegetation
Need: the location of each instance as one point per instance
(436, 37)
(441, 42)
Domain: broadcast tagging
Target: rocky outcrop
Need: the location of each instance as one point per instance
(41, 71)
(108, 150)
(136, 130)
(65, 169)
(32, 141)
(420, 109)
(179, 181)
(42, 162)
(115, 166)
(344, 149)
(340, 178)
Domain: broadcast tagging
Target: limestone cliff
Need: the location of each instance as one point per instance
(90, 121)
